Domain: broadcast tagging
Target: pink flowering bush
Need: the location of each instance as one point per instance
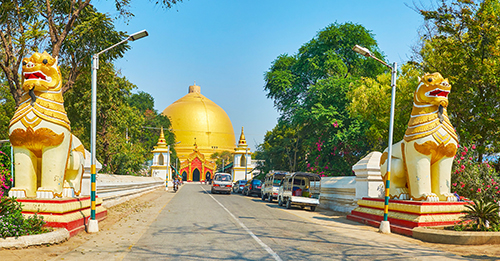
(472, 179)
(5, 175)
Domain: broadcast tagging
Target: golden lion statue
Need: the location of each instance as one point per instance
(422, 161)
(48, 158)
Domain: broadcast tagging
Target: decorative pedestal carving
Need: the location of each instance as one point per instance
(70, 213)
(404, 215)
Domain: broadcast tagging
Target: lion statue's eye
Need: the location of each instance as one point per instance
(24, 63)
(429, 80)
(45, 61)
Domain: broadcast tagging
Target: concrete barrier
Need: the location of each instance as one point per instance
(338, 194)
(114, 189)
(341, 194)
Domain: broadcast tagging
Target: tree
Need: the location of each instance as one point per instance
(71, 30)
(327, 55)
(310, 89)
(115, 116)
(462, 44)
(283, 149)
(7, 107)
(371, 102)
(149, 133)
(225, 157)
(142, 101)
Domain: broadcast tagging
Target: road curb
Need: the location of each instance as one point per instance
(456, 237)
(54, 237)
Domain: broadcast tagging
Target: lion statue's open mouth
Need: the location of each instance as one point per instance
(437, 93)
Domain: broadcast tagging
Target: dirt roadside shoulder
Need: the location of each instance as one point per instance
(477, 252)
(116, 214)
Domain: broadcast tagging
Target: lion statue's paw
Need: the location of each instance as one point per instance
(431, 197)
(404, 196)
(401, 193)
(450, 197)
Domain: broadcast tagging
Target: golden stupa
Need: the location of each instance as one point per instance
(197, 120)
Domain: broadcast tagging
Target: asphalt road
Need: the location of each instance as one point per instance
(196, 225)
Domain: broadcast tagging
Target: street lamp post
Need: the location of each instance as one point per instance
(246, 162)
(385, 226)
(93, 225)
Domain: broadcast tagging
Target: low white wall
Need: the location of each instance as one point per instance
(338, 193)
(114, 189)
(342, 193)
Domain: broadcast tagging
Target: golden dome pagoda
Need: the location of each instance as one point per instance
(197, 120)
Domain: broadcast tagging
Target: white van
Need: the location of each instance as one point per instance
(271, 185)
(222, 183)
(301, 189)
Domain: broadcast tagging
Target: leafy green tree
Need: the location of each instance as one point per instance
(371, 102)
(310, 90)
(282, 149)
(329, 54)
(115, 117)
(113, 111)
(142, 101)
(153, 121)
(7, 108)
(225, 157)
(462, 44)
(71, 30)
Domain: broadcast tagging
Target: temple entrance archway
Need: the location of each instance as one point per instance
(196, 175)
(197, 167)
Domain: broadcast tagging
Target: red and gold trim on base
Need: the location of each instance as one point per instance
(404, 215)
(70, 213)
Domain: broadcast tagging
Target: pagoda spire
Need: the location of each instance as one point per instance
(243, 141)
(162, 143)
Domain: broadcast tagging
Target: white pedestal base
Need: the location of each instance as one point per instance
(93, 226)
(385, 227)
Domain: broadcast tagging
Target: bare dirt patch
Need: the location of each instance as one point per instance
(115, 214)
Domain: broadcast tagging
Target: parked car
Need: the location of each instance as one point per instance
(222, 183)
(239, 185)
(301, 189)
(253, 186)
(271, 185)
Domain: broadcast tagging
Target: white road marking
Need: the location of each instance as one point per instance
(267, 248)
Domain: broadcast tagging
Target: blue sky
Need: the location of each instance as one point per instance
(226, 46)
